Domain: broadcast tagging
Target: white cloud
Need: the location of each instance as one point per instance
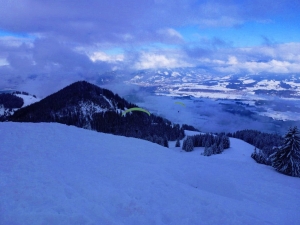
(289, 51)
(149, 60)
(273, 66)
(286, 51)
(11, 41)
(3, 62)
(102, 56)
(170, 33)
(280, 58)
(232, 60)
(174, 33)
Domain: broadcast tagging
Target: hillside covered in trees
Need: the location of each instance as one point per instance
(88, 106)
(9, 102)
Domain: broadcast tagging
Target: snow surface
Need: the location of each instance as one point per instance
(56, 174)
(28, 99)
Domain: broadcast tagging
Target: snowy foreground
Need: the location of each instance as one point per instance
(58, 174)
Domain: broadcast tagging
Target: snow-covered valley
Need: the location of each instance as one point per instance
(56, 174)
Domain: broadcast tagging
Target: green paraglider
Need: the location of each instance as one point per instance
(180, 103)
(135, 109)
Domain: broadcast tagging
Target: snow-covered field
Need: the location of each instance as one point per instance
(58, 174)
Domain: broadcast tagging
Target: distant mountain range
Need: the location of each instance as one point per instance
(195, 82)
(88, 106)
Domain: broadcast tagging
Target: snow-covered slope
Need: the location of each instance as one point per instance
(28, 99)
(58, 174)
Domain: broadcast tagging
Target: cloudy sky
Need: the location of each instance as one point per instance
(70, 39)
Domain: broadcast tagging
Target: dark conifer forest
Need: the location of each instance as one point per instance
(9, 101)
(265, 143)
(78, 104)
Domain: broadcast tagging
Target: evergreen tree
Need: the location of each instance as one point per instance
(209, 139)
(220, 148)
(214, 148)
(226, 142)
(218, 140)
(198, 140)
(287, 158)
(184, 145)
(159, 141)
(206, 145)
(204, 141)
(149, 138)
(177, 143)
(155, 138)
(166, 143)
(189, 144)
(207, 151)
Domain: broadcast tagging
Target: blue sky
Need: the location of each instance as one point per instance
(69, 40)
(247, 35)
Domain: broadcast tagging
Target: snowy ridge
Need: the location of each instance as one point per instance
(58, 174)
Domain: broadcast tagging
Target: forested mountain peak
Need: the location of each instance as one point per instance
(88, 106)
(81, 91)
(80, 98)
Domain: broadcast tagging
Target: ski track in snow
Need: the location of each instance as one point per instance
(56, 174)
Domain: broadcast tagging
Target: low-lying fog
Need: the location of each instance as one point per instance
(209, 115)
